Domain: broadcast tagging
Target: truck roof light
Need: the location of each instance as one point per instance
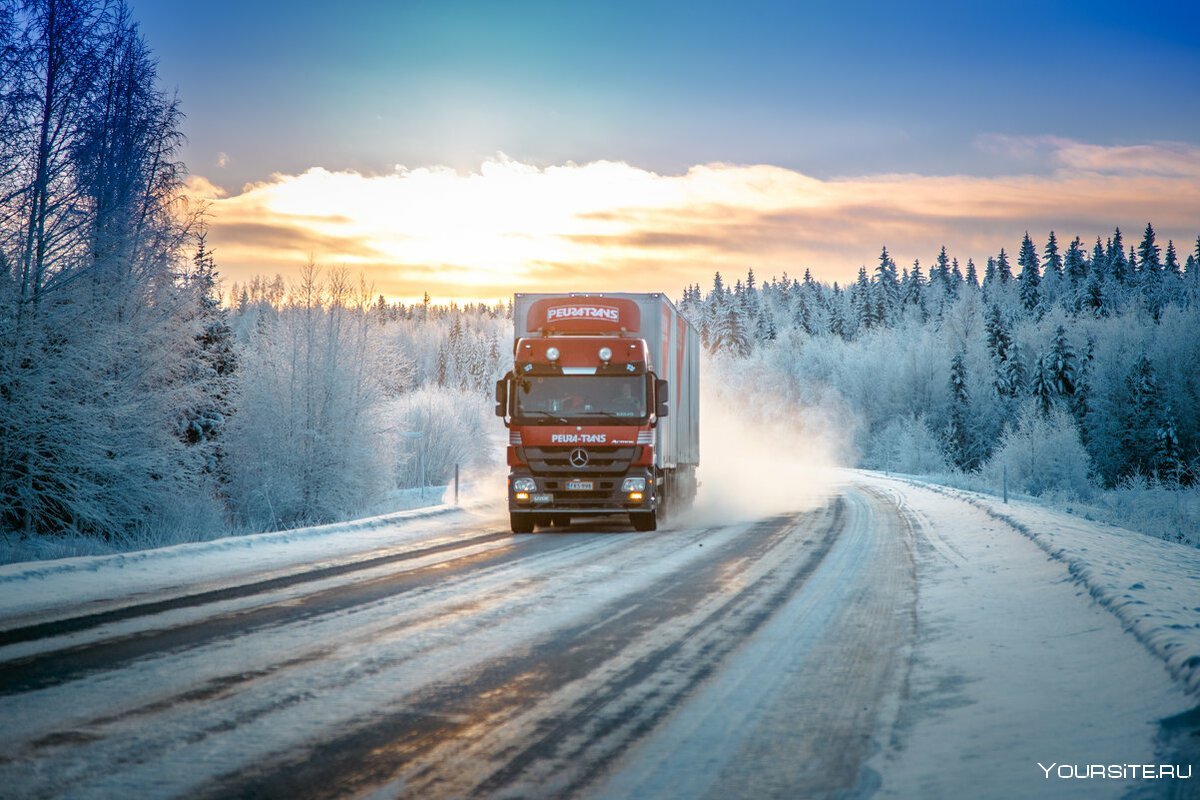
(606, 354)
(552, 353)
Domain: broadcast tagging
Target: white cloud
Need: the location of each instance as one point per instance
(609, 226)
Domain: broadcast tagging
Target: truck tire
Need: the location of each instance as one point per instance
(643, 520)
(520, 523)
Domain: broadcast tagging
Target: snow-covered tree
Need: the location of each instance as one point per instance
(1030, 277)
(1041, 453)
(959, 436)
(97, 337)
(303, 445)
(887, 289)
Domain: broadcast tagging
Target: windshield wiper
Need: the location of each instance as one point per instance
(540, 413)
(630, 415)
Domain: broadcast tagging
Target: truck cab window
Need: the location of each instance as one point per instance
(581, 396)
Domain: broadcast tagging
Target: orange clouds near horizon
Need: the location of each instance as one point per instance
(609, 226)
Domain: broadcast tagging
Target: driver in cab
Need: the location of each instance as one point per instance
(626, 403)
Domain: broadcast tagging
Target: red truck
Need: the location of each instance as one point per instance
(602, 407)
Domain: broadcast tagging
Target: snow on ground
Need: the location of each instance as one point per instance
(1153, 586)
(30, 588)
(1015, 666)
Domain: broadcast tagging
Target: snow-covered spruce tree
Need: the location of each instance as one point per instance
(887, 289)
(1171, 263)
(913, 292)
(1003, 270)
(1144, 417)
(213, 364)
(1041, 385)
(1055, 374)
(1149, 274)
(1075, 273)
(730, 332)
(862, 306)
(1030, 277)
(1053, 285)
(1063, 366)
(1118, 266)
(959, 437)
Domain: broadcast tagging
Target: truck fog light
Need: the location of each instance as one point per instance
(634, 485)
(524, 485)
(552, 353)
(522, 497)
(606, 354)
(635, 497)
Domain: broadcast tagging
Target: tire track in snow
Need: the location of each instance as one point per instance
(563, 709)
(801, 707)
(56, 667)
(84, 622)
(337, 653)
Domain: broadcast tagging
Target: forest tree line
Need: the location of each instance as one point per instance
(1095, 349)
(138, 402)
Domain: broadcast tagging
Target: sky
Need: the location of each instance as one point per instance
(475, 149)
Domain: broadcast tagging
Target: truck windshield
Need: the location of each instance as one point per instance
(553, 398)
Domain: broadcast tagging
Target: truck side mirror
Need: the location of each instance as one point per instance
(502, 397)
(662, 396)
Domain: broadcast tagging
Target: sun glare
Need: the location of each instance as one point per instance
(610, 226)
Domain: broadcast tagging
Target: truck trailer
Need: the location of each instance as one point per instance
(603, 409)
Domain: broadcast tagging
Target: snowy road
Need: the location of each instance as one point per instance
(891, 640)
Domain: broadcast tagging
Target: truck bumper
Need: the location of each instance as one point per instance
(561, 495)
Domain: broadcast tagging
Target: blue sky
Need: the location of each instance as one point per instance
(830, 88)
(1098, 102)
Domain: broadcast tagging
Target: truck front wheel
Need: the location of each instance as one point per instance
(520, 523)
(643, 520)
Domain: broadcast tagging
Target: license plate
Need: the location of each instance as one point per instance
(543, 498)
(579, 486)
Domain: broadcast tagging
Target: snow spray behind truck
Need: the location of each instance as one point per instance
(603, 408)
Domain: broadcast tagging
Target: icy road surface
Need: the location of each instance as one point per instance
(893, 640)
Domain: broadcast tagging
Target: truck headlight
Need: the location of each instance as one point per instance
(524, 485)
(634, 485)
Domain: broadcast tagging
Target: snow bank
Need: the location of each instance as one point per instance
(34, 586)
(1152, 586)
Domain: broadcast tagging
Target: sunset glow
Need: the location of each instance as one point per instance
(606, 226)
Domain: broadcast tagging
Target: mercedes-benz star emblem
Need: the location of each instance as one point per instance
(579, 457)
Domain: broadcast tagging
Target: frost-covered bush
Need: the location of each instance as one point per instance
(455, 427)
(304, 445)
(1151, 506)
(906, 444)
(1041, 453)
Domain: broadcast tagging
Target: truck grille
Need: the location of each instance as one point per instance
(601, 460)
